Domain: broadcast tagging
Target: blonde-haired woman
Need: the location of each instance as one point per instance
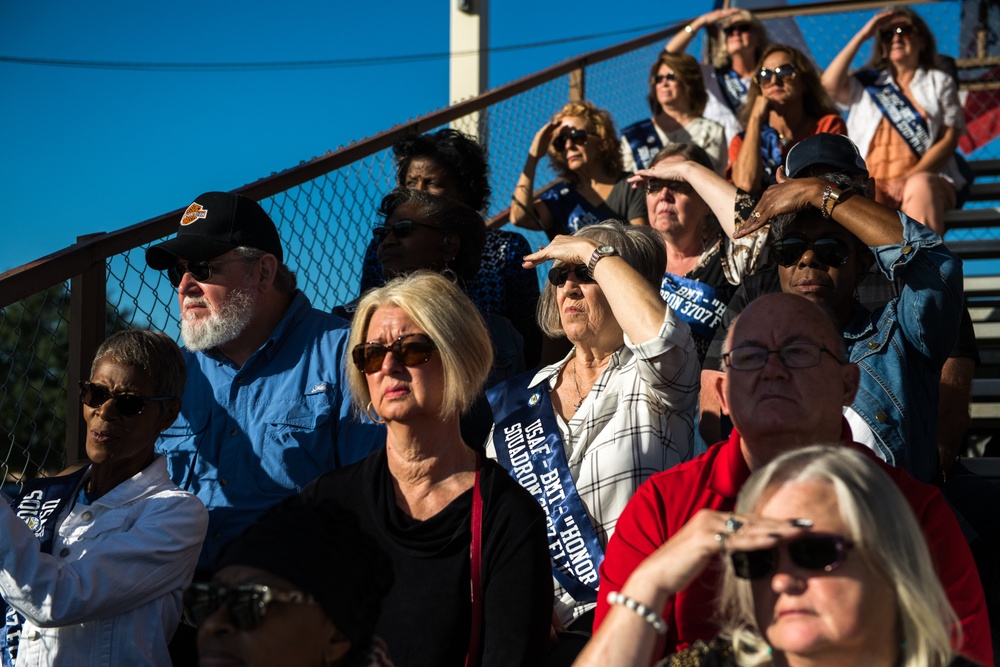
(449, 520)
(583, 145)
(735, 40)
(824, 564)
(677, 99)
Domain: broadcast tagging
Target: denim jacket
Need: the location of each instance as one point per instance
(901, 347)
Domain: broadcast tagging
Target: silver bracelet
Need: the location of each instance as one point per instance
(644, 612)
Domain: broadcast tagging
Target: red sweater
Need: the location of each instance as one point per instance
(667, 500)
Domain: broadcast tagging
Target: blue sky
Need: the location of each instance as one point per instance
(89, 150)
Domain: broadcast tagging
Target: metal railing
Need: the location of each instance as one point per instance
(56, 310)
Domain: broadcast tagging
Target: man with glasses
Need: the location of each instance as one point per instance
(266, 409)
(827, 232)
(786, 381)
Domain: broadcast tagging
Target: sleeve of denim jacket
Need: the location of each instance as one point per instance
(931, 292)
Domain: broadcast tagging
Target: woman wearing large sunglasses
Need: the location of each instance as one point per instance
(734, 42)
(301, 587)
(905, 115)
(93, 563)
(451, 521)
(824, 564)
(786, 104)
(582, 144)
(677, 101)
(582, 434)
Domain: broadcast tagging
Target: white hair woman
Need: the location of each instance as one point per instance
(449, 520)
(824, 564)
(582, 434)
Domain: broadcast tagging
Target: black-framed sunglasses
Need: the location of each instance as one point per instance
(558, 275)
(411, 350)
(830, 250)
(200, 271)
(127, 403)
(660, 78)
(817, 553)
(765, 77)
(577, 136)
(731, 30)
(795, 355)
(655, 186)
(247, 603)
(400, 229)
(904, 30)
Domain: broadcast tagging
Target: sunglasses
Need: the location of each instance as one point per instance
(660, 78)
(829, 250)
(655, 186)
(400, 229)
(766, 77)
(127, 403)
(818, 553)
(200, 271)
(411, 349)
(247, 604)
(558, 275)
(577, 136)
(796, 355)
(731, 30)
(904, 30)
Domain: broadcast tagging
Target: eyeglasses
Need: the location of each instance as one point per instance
(411, 349)
(558, 275)
(796, 355)
(400, 229)
(127, 403)
(247, 604)
(904, 30)
(819, 553)
(577, 136)
(731, 30)
(655, 186)
(660, 78)
(766, 77)
(829, 250)
(200, 271)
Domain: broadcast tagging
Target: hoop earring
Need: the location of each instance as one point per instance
(372, 414)
(449, 273)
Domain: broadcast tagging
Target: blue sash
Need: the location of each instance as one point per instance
(644, 142)
(734, 92)
(898, 110)
(39, 505)
(566, 204)
(697, 303)
(770, 154)
(529, 447)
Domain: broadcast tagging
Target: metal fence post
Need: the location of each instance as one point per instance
(577, 85)
(87, 321)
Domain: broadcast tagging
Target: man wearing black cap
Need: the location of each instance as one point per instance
(266, 409)
(824, 248)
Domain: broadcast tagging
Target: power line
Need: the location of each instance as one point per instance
(302, 64)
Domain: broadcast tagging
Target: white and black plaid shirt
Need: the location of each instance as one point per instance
(637, 420)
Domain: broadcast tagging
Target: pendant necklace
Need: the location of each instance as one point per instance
(576, 382)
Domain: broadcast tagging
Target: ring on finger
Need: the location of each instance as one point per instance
(720, 538)
(733, 524)
(756, 215)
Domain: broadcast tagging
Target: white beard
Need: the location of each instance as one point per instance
(222, 325)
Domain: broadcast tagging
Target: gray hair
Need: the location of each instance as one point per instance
(641, 247)
(284, 279)
(886, 536)
(152, 352)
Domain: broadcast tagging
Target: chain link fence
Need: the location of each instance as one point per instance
(326, 222)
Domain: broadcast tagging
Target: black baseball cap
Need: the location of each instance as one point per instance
(215, 223)
(832, 150)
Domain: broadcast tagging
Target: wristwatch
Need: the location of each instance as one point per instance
(600, 253)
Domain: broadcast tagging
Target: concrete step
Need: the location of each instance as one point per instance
(984, 191)
(976, 218)
(985, 167)
(976, 249)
